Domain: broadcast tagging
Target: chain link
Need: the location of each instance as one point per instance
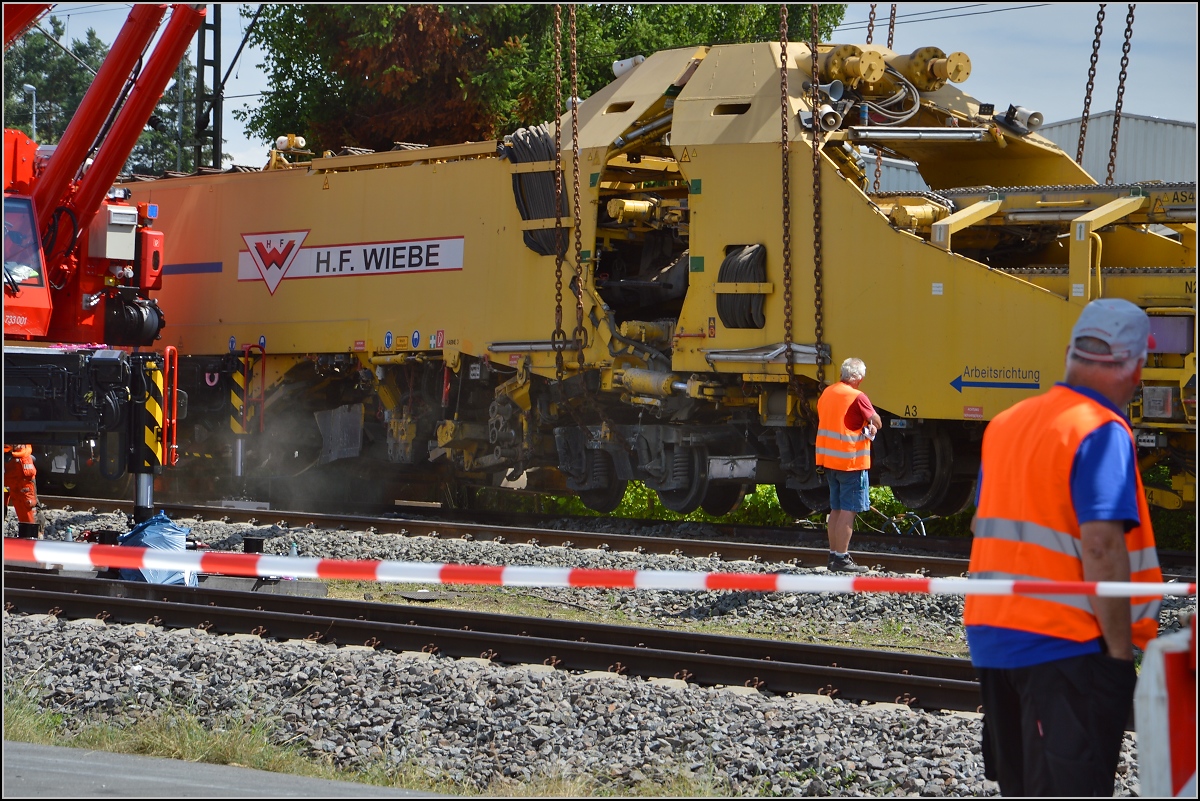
(1112, 149)
(784, 114)
(559, 338)
(1091, 83)
(818, 283)
(579, 334)
(892, 27)
(870, 38)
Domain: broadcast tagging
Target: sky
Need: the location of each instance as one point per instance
(1030, 54)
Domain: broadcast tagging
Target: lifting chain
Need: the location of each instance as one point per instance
(787, 196)
(559, 338)
(579, 335)
(891, 37)
(871, 24)
(818, 283)
(1091, 83)
(1112, 149)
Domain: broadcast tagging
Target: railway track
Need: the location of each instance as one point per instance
(919, 681)
(1175, 564)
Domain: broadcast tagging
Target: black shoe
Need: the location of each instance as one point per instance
(845, 564)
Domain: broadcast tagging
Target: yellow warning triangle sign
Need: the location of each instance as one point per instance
(1159, 208)
(685, 156)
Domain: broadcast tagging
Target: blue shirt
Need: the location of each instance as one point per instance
(1103, 487)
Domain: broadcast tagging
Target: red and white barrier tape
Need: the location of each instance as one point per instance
(81, 556)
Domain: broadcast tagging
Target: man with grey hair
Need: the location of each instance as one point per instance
(1060, 498)
(847, 422)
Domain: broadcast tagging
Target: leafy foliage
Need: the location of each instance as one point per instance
(62, 81)
(1174, 529)
(372, 75)
(760, 508)
(163, 146)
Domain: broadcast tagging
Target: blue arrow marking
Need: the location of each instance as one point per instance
(958, 384)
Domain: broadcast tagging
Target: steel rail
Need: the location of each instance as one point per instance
(780, 667)
(727, 550)
(446, 529)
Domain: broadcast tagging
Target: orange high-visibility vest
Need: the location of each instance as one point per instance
(838, 447)
(1026, 528)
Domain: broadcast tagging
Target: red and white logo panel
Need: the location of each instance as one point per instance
(274, 257)
(273, 254)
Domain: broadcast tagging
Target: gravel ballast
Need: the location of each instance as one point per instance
(474, 723)
(477, 723)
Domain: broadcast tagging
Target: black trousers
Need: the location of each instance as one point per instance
(1055, 729)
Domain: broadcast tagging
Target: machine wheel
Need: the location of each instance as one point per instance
(607, 497)
(721, 499)
(693, 461)
(816, 499)
(957, 497)
(791, 503)
(936, 493)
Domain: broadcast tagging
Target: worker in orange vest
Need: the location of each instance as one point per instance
(1060, 498)
(847, 422)
(20, 476)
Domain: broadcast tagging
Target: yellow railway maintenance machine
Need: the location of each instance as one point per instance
(404, 302)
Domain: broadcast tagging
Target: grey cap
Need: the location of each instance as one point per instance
(1121, 325)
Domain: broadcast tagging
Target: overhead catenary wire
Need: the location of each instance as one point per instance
(941, 15)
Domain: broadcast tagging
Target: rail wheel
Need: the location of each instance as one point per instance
(608, 495)
(721, 499)
(958, 495)
(690, 465)
(791, 502)
(816, 499)
(942, 491)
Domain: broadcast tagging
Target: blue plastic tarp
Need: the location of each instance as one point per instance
(160, 534)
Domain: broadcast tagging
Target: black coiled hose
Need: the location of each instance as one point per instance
(534, 191)
(743, 265)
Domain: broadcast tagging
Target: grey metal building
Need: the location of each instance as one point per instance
(1149, 149)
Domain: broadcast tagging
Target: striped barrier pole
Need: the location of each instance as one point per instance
(82, 556)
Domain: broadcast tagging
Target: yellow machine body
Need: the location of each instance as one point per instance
(959, 301)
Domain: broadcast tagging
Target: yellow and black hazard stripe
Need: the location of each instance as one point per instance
(150, 447)
(237, 398)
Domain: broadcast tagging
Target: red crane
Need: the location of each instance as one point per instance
(80, 264)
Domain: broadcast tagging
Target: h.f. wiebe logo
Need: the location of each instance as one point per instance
(273, 257)
(273, 254)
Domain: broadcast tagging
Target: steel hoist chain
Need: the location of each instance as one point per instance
(1157, 186)
(1091, 83)
(787, 197)
(818, 282)
(871, 24)
(1112, 149)
(891, 37)
(579, 334)
(559, 338)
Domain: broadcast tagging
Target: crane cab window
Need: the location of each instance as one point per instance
(22, 254)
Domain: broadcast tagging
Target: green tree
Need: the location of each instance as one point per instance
(164, 146)
(62, 81)
(371, 75)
